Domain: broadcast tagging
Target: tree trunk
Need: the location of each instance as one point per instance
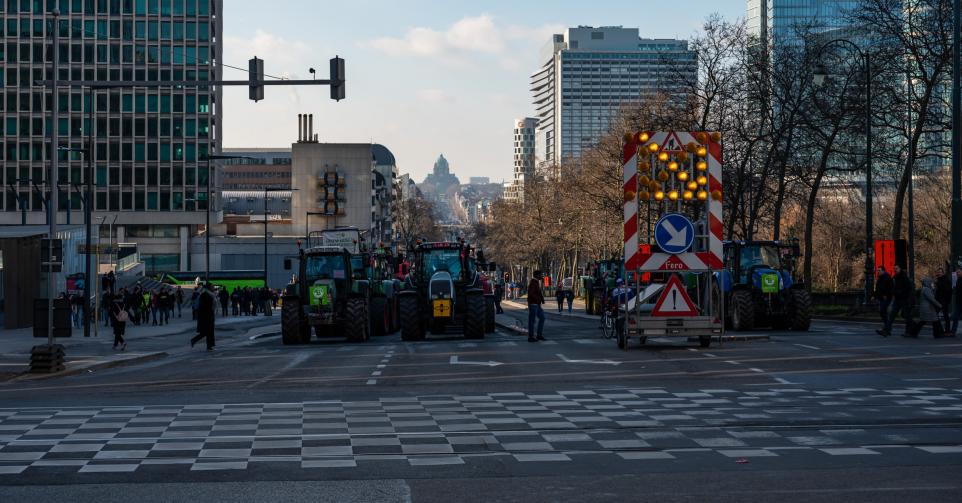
(810, 210)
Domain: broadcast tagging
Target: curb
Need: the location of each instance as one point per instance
(514, 328)
(97, 366)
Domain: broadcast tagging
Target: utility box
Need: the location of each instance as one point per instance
(62, 324)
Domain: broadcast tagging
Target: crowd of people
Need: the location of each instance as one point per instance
(939, 302)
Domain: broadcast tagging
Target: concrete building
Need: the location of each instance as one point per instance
(266, 167)
(588, 74)
(479, 180)
(782, 20)
(149, 144)
(524, 158)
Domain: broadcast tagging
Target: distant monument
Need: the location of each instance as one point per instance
(441, 179)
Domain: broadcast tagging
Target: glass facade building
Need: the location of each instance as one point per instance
(588, 74)
(783, 19)
(149, 144)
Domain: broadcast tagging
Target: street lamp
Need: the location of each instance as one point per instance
(819, 78)
(207, 231)
(266, 191)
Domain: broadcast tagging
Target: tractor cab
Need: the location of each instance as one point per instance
(327, 272)
(761, 288)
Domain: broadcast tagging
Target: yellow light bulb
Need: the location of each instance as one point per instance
(702, 195)
(652, 147)
(663, 176)
(653, 185)
(691, 146)
(643, 180)
(663, 156)
(701, 152)
(701, 137)
(692, 185)
(643, 137)
(644, 165)
(673, 166)
(627, 137)
(629, 195)
(644, 195)
(659, 195)
(673, 195)
(682, 156)
(716, 195)
(688, 195)
(716, 137)
(702, 180)
(682, 175)
(701, 165)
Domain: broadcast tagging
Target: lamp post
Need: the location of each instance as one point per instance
(819, 78)
(209, 199)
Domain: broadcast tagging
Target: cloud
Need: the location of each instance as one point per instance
(467, 37)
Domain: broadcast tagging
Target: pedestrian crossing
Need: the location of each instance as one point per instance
(634, 424)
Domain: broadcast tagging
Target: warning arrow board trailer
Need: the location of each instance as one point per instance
(673, 234)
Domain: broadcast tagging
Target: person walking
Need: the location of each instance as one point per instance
(902, 293)
(266, 301)
(224, 301)
(498, 294)
(205, 317)
(957, 304)
(179, 299)
(883, 293)
(235, 301)
(559, 296)
(929, 308)
(164, 305)
(193, 303)
(119, 319)
(570, 297)
(943, 294)
(535, 300)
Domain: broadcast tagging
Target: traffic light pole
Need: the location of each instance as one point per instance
(53, 203)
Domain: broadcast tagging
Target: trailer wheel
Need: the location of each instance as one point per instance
(291, 321)
(704, 341)
(358, 325)
(743, 310)
(800, 309)
(474, 316)
(411, 327)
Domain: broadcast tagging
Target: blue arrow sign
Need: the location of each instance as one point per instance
(674, 233)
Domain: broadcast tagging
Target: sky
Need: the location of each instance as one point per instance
(424, 77)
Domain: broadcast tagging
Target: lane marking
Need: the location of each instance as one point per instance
(599, 362)
(372, 381)
(709, 355)
(808, 347)
(934, 379)
(733, 362)
(455, 360)
(753, 369)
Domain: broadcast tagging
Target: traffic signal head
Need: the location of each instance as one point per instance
(255, 74)
(337, 78)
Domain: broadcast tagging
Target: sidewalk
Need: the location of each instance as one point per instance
(144, 343)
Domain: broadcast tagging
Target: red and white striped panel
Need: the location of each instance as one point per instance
(635, 256)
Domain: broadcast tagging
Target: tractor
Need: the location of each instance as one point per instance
(443, 292)
(384, 290)
(761, 288)
(601, 278)
(488, 272)
(327, 296)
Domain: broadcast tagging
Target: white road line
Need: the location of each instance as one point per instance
(753, 369)
(692, 349)
(372, 381)
(733, 362)
(785, 381)
(376, 373)
(808, 347)
(934, 379)
(381, 366)
(709, 355)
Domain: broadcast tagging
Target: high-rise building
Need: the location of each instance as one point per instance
(784, 20)
(524, 158)
(149, 144)
(588, 74)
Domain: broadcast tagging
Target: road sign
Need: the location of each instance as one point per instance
(674, 300)
(674, 233)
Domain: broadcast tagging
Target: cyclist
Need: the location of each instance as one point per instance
(618, 297)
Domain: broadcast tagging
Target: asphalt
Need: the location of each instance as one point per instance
(834, 413)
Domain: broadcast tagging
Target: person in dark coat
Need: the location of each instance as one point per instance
(929, 308)
(224, 299)
(943, 295)
(883, 292)
(903, 292)
(119, 321)
(205, 317)
(498, 295)
(559, 297)
(957, 312)
(535, 300)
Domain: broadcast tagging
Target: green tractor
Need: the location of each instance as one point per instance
(601, 278)
(384, 290)
(760, 286)
(442, 293)
(328, 296)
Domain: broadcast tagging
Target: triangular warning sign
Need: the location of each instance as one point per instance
(672, 143)
(674, 300)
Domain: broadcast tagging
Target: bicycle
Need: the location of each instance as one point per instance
(609, 321)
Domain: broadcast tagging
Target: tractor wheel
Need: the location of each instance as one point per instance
(474, 316)
(743, 310)
(291, 321)
(358, 325)
(799, 309)
(704, 341)
(395, 316)
(411, 327)
(379, 316)
(489, 314)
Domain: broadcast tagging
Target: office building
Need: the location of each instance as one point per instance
(588, 74)
(149, 144)
(782, 21)
(524, 158)
(258, 168)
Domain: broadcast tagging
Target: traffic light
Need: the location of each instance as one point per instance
(337, 78)
(255, 74)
